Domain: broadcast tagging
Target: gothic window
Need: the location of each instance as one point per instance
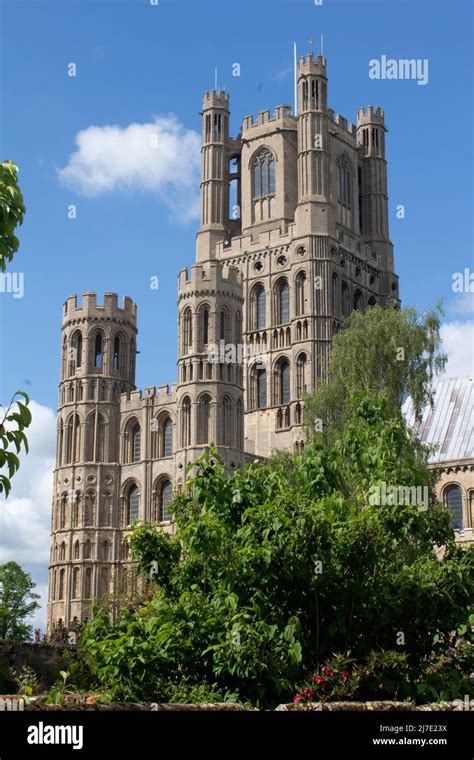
(282, 302)
(106, 550)
(298, 414)
(187, 330)
(76, 550)
(73, 439)
(75, 510)
(133, 504)
(89, 504)
(205, 326)
(258, 387)
(166, 496)
(186, 421)
(104, 581)
(300, 293)
(116, 359)
(87, 549)
(358, 301)
(263, 174)
(98, 351)
(240, 425)
(227, 426)
(258, 299)
(76, 352)
(204, 411)
(62, 551)
(167, 437)
(223, 325)
(282, 381)
(62, 511)
(301, 380)
(346, 308)
(62, 575)
(453, 501)
(344, 176)
(75, 582)
(136, 442)
(88, 583)
(95, 438)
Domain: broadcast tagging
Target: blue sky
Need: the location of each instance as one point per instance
(136, 62)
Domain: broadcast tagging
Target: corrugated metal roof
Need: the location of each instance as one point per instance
(450, 422)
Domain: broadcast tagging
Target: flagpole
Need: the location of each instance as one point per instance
(295, 75)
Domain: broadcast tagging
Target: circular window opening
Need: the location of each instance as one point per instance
(281, 261)
(301, 250)
(258, 266)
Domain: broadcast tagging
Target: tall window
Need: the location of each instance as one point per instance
(300, 293)
(136, 443)
(282, 302)
(344, 176)
(167, 438)
(335, 295)
(346, 304)
(88, 583)
(258, 302)
(78, 349)
(227, 426)
(73, 432)
(264, 174)
(166, 496)
(95, 438)
(133, 504)
(282, 382)
(75, 583)
(205, 326)
(62, 575)
(186, 422)
(358, 301)
(222, 325)
(116, 361)
(76, 550)
(453, 501)
(98, 351)
(258, 387)
(187, 330)
(204, 412)
(301, 375)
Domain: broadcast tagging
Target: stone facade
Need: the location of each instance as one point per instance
(293, 237)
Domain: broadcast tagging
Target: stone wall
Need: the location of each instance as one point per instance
(45, 659)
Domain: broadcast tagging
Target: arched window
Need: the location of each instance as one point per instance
(240, 425)
(75, 507)
(223, 325)
(227, 421)
(62, 511)
(166, 496)
(89, 505)
(187, 330)
(282, 302)
(62, 551)
(258, 308)
(205, 326)
(346, 304)
(106, 550)
(301, 380)
(453, 501)
(204, 412)
(116, 360)
(95, 438)
(75, 582)
(136, 448)
(263, 174)
(167, 437)
(98, 351)
(133, 504)
(358, 301)
(76, 352)
(344, 177)
(87, 549)
(186, 422)
(258, 387)
(88, 583)
(76, 550)
(62, 575)
(73, 432)
(282, 382)
(300, 293)
(104, 581)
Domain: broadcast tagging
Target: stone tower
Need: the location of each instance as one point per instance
(98, 364)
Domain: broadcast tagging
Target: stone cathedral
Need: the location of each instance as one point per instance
(293, 237)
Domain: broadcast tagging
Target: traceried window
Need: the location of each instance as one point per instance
(204, 412)
(186, 422)
(136, 443)
(167, 438)
(264, 183)
(282, 381)
(133, 504)
(453, 501)
(166, 497)
(258, 305)
(344, 177)
(300, 293)
(258, 387)
(282, 302)
(301, 380)
(187, 330)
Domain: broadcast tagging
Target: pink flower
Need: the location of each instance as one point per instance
(297, 699)
(324, 669)
(330, 672)
(307, 692)
(345, 674)
(320, 679)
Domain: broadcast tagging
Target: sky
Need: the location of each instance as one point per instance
(140, 69)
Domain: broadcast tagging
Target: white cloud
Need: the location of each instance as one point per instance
(162, 157)
(461, 305)
(25, 517)
(458, 343)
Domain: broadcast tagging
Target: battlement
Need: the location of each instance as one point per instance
(307, 65)
(342, 122)
(215, 99)
(371, 116)
(281, 113)
(210, 276)
(90, 308)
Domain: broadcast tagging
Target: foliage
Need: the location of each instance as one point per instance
(276, 569)
(17, 602)
(12, 210)
(26, 680)
(20, 416)
(383, 352)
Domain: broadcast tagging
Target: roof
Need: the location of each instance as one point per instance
(450, 422)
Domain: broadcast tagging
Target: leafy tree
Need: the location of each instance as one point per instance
(384, 352)
(17, 417)
(277, 568)
(17, 602)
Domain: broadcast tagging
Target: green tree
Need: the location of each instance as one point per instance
(382, 352)
(17, 602)
(16, 417)
(279, 567)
